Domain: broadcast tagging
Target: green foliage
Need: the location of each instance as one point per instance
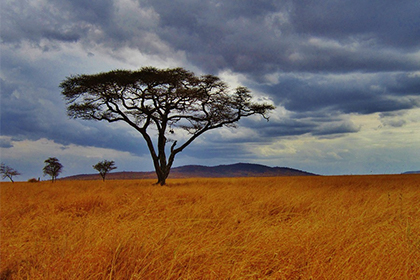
(103, 167)
(52, 168)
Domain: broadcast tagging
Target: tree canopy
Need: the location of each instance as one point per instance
(167, 100)
(52, 168)
(7, 171)
(103, 167)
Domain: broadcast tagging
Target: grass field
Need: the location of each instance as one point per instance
(344, 227)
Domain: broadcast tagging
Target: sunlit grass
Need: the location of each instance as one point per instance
(349, 227)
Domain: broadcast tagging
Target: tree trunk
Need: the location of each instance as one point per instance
(161, 182)
(162, 167)
(161, 178)
(162, 174)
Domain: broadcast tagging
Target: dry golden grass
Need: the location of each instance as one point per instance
(348, 227)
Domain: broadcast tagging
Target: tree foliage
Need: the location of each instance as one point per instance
(8, 172)
(103, 167)
(52, 168)
(173, 102)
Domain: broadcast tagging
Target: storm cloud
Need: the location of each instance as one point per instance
(334, 69)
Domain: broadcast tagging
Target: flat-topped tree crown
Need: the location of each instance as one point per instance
(164, 99)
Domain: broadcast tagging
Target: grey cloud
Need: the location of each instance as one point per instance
(393, 119)
(356, 93)
(89, 11)
(37, 118)
(279, 37)
(336, 128)
(404, 84)
(247, 37)
(32, 108)
(90, 22)
(394, 123)
(321, 123)
(375, 22)
(6, 143)
(296, 127)
(23, 20)
(332, 58)
(284, 127)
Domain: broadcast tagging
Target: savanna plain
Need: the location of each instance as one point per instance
(317, 227)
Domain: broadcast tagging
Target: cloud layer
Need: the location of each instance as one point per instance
(335, 70)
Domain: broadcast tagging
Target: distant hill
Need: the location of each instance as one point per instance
(412, 172)
(194, 171)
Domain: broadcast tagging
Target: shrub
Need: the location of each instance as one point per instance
(33, 180)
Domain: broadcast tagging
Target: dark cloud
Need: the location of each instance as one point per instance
(108, 23)
(343, 127)
(394, 123)
(321, 61)
(373, 22)
(393, 119)
(404, 84)
(40, 118)
(250, 37)
(5, 143)
(32, 108)
(355, 93)
(29, 21)
(298, 124)
(257, 38)
(286, 126)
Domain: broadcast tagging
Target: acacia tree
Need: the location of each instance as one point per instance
(103, 167)
(52, 168)
(161, 101)
(7, 171)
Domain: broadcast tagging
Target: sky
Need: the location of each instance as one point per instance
(344, 77)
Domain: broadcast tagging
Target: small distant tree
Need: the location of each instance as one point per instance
(8, 172)
(52, 168)
(103, 167)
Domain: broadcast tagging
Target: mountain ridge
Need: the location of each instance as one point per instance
(412, 172)
(202, 171)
